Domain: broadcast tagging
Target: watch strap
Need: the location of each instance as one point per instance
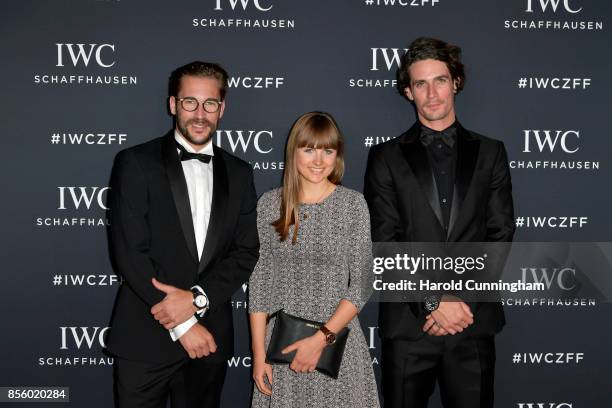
(330, 337)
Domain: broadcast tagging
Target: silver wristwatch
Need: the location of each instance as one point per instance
(200, 300)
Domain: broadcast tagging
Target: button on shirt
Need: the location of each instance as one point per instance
(199, 179)
(442, 154)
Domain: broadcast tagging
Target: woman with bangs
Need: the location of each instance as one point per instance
(314, 263)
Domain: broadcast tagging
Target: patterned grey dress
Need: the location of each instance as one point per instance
(330, 261)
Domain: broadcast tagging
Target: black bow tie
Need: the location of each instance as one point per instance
(185, 155)
(447, 136)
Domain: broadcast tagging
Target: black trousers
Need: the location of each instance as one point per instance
(188, 383)
(463, 366)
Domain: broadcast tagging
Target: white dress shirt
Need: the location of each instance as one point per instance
(199, 178)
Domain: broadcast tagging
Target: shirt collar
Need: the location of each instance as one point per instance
(452, 128)
(208, 149)
(448, 135)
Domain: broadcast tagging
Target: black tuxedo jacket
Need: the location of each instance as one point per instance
(151, 235)
(403, 200)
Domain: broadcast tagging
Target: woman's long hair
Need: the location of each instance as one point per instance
(316, 130)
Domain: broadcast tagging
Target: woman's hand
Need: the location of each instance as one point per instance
(262, 371)
(308, 353)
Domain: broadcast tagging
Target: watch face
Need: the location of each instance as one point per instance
(431, 303)
(330, 338)
(200, 301)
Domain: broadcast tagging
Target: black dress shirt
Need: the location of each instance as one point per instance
(441, 149)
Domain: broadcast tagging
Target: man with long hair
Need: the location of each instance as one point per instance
(438, 182)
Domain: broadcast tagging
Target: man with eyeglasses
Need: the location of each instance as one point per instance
(183, 236)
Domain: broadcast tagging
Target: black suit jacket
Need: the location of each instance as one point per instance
(151, 235)
(402, 197)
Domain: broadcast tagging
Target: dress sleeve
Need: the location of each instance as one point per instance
(261, 281)
(359, 255)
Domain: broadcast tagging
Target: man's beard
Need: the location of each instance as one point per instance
(184, 129)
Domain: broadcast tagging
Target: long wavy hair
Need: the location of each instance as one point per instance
(316, 130)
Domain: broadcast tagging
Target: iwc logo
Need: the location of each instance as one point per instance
(73, 203)
(553, 15)
(91, 64)
(243, 15)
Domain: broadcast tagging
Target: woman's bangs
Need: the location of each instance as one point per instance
(323, 137)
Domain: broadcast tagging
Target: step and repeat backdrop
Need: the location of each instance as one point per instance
(83, 79)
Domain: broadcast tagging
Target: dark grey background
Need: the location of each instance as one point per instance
(331, 43)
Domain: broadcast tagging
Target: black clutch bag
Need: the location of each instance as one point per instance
(288, 329)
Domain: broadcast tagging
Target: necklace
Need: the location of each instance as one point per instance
(320, 197)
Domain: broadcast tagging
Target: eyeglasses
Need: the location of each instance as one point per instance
(191, 104)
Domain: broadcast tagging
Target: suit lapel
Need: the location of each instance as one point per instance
(217, 210)
(467, 155)
(178, 185)
(416, 155)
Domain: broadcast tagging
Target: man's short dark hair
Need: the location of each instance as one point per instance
(198, 69)
(430, 48)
